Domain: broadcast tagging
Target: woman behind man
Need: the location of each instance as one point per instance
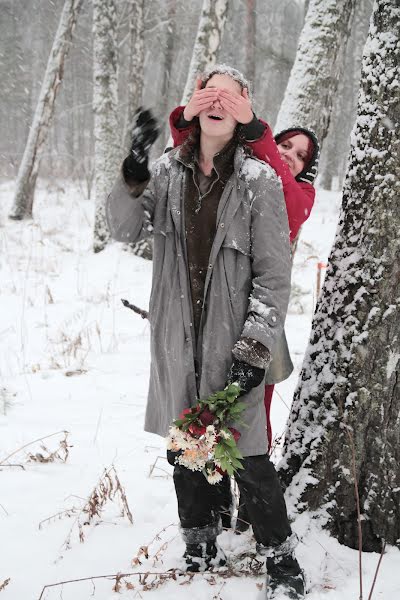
(293, 154)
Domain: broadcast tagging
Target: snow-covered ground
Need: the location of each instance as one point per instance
(73, 358)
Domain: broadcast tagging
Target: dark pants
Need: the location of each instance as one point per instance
(200, 503)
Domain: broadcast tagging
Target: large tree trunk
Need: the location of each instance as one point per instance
(337, 143)
(315, 74)
(29, 167)
(105, 102)
(348, 397)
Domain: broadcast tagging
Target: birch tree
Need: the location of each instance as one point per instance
(315, 74)
(208, 40)
(107, 153)
(29, 167)
(345, 417)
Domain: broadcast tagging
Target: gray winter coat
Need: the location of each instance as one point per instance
(246, 290)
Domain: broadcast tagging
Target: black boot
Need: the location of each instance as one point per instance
(203, 556)
(285, 578)
(243, 519)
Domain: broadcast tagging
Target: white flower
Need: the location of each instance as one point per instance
(213, 477)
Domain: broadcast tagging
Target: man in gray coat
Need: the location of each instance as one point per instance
(221, 283)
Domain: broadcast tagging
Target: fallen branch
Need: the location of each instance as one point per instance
(139, 311)
(161, 577)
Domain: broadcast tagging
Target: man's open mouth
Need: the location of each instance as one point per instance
(215, 117)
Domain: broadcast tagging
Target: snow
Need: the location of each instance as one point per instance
(73, 358)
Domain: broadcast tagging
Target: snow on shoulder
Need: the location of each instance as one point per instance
(163, 161)
(253, 168)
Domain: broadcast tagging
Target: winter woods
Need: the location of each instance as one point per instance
(29, 167)
(347, 403)
(73, 74)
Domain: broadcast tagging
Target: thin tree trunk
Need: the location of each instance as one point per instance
(315, 74)
(136, 61)
(206, 46)
(107, 150)
(208, 40)
(29, 167)
(349, 387)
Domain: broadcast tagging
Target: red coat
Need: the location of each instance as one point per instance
(299, 197)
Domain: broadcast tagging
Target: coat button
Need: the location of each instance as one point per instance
(178, 212)
(222, 225)
(210, 266)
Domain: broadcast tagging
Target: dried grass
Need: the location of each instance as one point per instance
(107, 489)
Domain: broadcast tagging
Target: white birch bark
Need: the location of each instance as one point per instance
(350, 381)
(107, 151)
(208, 41)
(29, 167)
(316, 71)
(206, 46)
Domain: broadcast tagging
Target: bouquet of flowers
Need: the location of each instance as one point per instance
(203, 439)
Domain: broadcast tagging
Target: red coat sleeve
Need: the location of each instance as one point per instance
(178, 135)
(299, 197)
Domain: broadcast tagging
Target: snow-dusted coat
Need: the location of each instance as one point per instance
(246, 290)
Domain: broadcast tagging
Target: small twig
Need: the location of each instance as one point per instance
(4, 584)
(1, 506)
(68, 513)
(143, 313)
(357, 497)
(154, 466)
(33, 442)
(377, 571)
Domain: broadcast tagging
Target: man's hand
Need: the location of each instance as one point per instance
(201, 99)
(245, 375)
(237, 105)
(144, 134)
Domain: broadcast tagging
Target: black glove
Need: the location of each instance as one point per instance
(144, 134)
(245, 375)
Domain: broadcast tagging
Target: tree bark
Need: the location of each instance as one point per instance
(136, 61)
(337, 143)
(29, 167)
(207, 43)
(208, 40)
(107, 150)
(349, 387)
(316, 71)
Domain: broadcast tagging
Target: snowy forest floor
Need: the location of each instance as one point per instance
(73, 358)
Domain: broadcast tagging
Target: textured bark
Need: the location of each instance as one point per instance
(206, 45)
(105, 103)
(250, 39)
(136, 61)
(350, 381)
(337, 143)
(29, 167)
(315, 74)
(208, 40)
